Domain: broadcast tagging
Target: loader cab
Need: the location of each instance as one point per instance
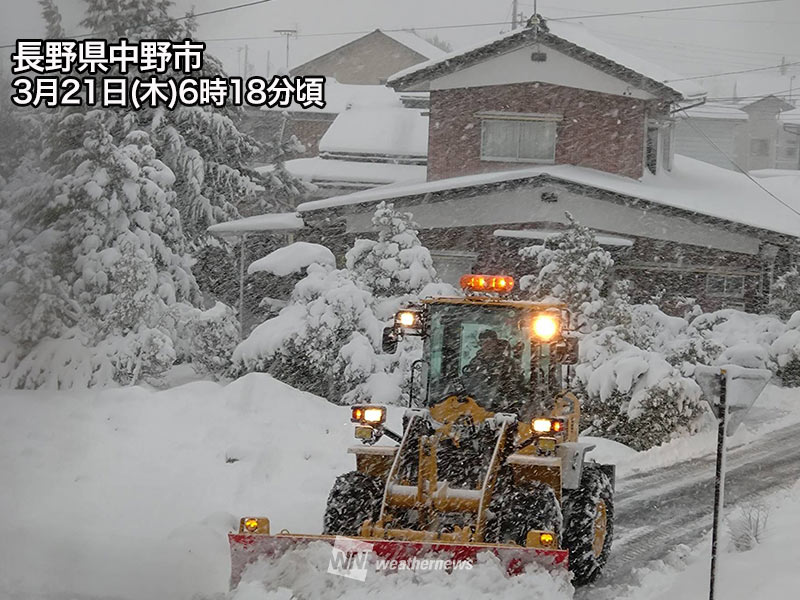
(486, 350)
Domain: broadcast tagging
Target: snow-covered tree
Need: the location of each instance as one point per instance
(398, 270)
(395, 267)
(325, 339)
(572, 268)
(786, 294)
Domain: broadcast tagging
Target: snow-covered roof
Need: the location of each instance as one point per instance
(692, 185)
(411, 40)
(388, 130)
(546, 234)
(711, 110)
(790, 116)
(340, 97)
(571, 38)
(345, 173)
(270, 222)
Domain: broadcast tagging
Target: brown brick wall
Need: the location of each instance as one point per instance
(599, 131)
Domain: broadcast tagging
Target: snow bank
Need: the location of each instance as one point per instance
(292, 259)
(130, 494)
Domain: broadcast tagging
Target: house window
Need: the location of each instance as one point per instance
(789, 151)
(759, 147)
(519, 140)
(731, 286)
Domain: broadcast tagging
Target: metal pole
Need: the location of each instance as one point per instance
(514, 13)
(241, 286)
(719, 486)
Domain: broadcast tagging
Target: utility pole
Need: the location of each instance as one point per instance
(246, 64)
(287, 33)
(514, 14)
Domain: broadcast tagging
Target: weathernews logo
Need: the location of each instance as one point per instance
(351, 558)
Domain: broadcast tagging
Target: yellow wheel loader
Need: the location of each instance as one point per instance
(488, 459)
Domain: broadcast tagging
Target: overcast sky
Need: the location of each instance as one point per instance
(695, 42)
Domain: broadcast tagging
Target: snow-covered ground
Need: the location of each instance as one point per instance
(129, 494)
(768, 570)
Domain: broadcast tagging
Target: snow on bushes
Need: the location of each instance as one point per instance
(634, 395)
(327, 312)
(785, 351)
(327, 339)
(213, 335)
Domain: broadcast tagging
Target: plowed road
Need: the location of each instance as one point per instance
(658, 510)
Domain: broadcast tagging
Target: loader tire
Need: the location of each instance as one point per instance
(589, 524)
(534, 506)
(354, 497)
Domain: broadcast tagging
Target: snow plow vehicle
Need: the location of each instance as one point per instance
(488, 459)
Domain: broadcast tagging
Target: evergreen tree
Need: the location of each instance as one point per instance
(572, 268)
(786, 294)
(395, 267)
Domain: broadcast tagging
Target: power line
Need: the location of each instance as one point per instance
(690, 120)
(362, 32)
(734, 72)
(663, 10)
(168, 21)
(718, 49)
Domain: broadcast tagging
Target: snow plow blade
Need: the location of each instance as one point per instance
(247, 548)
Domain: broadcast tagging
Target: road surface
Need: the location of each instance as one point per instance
(659, 510)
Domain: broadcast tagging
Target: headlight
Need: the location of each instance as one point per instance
(545, 327)
(368, 414)
(406, 319)
(548, 425)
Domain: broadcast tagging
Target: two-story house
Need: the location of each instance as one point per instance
(549, 119)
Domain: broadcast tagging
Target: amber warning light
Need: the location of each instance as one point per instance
(487, 283)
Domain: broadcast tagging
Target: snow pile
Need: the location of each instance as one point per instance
(303, 574)
(130, 494)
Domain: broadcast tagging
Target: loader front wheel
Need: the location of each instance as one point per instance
(589, 524)
(354, 498)
(520, 510)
